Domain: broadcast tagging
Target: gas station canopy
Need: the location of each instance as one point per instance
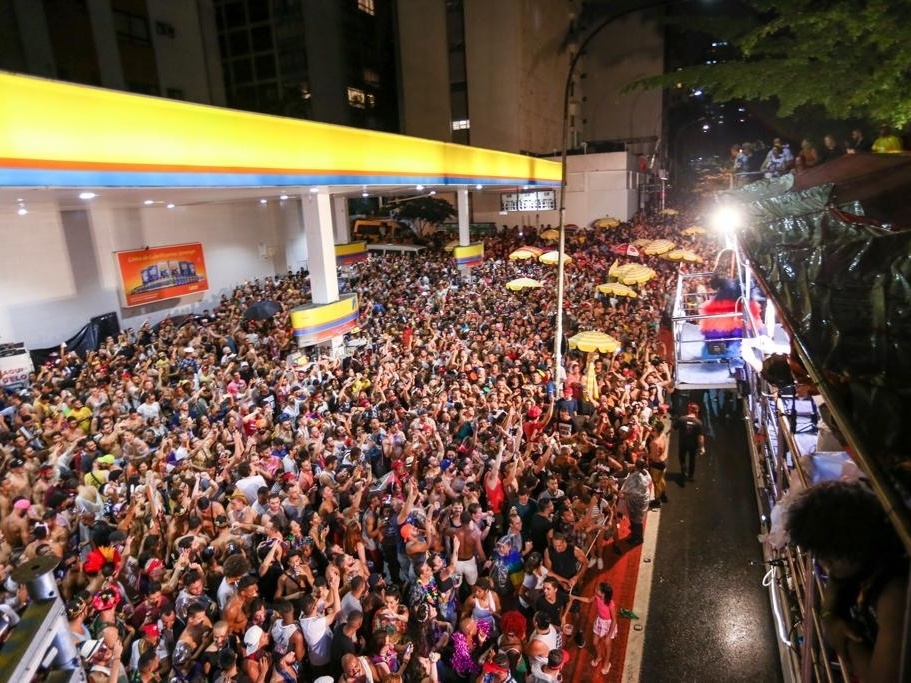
(64, 135)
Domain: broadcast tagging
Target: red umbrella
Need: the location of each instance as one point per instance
(625, 250)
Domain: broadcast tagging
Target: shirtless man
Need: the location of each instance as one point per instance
(18, 479)
(236, 609)
(657, 463)
(109, 442)
(471, 548)
(198, 627)
(15, 525)
(6, 497)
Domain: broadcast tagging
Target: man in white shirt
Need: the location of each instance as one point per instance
(318, 629)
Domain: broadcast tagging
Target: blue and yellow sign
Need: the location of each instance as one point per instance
(315, 323)
(350, 253)
(469, 256)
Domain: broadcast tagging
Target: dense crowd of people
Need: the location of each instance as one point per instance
(424, 508)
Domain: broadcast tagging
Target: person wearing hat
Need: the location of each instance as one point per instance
(98, 475)
(17, 479)
(147, 642)
(256, 657)
(188, 362)
(15, 526)
(76, 613)
(102, 660)
(107, 625)
(497, 669)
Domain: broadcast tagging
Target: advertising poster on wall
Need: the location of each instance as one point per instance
(158, 273)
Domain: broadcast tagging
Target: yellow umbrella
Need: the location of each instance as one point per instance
(683, 255)
(606, 222)
(522, 283)
(669, 212)
(451, 244)
(616, 270)
(637, 275)
(642, 241)
(694, 230)
(550, 234)
(592, 340)
(553, 257)
(656, 247)
(524, 253)
(617, 289)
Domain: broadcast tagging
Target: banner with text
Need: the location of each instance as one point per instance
(15, 366)
(158, 273)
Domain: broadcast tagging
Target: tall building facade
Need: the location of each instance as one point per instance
(155, 47)
(327, 61)
(493, 74)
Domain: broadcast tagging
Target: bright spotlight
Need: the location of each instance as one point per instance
(87, 195)
(727, 219)
(22, 211)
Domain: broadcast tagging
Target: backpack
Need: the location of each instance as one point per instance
(499, 576)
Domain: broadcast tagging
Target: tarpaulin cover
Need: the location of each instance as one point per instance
(843, 286)
(85, 340)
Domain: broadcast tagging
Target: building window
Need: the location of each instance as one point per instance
(163, 28)
(357, 98)
(131, 28)
(371, 77)
(371, 101)
(461, 124)
(366, 6)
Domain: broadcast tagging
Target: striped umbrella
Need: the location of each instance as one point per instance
(606, 222)
(617, 270)
(523, 253)
(656, 247)
(637, 275)
(694, 230)
(550, 234)
(683, 255)
(617, 289)
(642, 241)
(522, 283)
(592, 340)
(553, 257)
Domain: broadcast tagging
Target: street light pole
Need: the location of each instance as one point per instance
(558, 332)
